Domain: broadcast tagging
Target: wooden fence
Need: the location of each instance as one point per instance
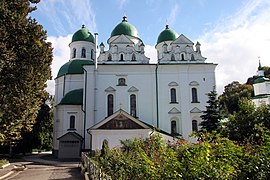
(90, 170)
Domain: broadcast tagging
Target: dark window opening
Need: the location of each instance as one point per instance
(133, 105)
(72, 122)
(121, 82)
(121, 57)
(109, 57)
(182, 57)
(92, 54)
(192, 58)
(194, 95)
(173, 127)
(194, 125)
(83, 55)
(173, 95)
(74, 53)
(110, 104)
(133, 57)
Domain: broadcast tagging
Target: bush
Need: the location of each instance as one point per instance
(214, 158)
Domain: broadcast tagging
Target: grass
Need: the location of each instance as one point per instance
(3, 162)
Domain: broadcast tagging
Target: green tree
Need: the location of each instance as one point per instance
(211, 117)
(229, 100)
(241, 126)
(25, 59)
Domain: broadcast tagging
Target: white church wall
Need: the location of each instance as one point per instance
(73, 81)
(59, 85)
(62, 121)
(78, 45)
(137, 76)
(114, 136)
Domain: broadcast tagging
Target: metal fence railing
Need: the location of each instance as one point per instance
(90, 170)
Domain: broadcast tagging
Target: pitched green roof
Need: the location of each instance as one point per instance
(260, 80)
(167, 35)
(83, 34)
(74, 97)
(73, 67)
(125, 28)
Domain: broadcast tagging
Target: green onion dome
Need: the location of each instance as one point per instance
(167, 35)
(83, 34)
(125, 28)
(74, 97)
(74, 67)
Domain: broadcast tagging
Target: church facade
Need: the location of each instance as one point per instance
(261, 87)
(120, 95)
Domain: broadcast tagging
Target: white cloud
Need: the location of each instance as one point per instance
(61, 55)
(122, 3)
(173, 14)
(151, 52)
(236, 42)
(63, 15)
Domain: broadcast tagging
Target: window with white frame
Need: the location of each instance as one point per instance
(72, 122)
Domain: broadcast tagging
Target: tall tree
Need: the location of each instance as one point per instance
(25, 59)
(242, 125)
(233, 92)
(211, 117)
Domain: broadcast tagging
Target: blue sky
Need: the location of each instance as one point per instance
(189, 17)
(233, 33)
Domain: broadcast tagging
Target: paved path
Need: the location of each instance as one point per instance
(35, 168)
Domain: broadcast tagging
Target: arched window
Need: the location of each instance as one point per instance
(194, 95)
(109, 57)
(182, 57)
(194, 125)
(74, 53)
(83, 55)
(121, 57)
(192, 57)
(92, 54)
(133, 57)
(110, 104)
(133, 105)
(121, 82)
(173, 127)
(72, 122)
(173, 57)
(173, 95)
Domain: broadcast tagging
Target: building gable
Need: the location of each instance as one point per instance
(182, 40)
(122, 39)
(120, 120)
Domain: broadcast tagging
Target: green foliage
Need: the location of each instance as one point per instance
(211, 117)
(242, 125)
(233, 92)
(215, 158)
(25, 59)
(41, 135)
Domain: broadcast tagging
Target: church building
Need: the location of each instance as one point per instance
(120, 95)
(261, 87)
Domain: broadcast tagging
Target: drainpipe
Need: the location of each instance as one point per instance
(64, 85)
(95, 79)
(157, 108)
(84, 108)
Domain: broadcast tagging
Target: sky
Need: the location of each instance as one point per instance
(235, 34)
